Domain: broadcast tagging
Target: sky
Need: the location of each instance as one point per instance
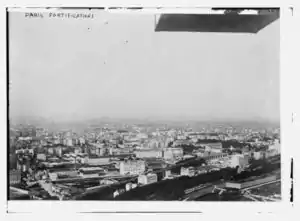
(115, 65)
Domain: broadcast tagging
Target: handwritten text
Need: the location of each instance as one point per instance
(59, 15)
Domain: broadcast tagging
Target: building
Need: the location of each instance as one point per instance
(199, 153)
(56, 141)
(75, 141)
(149, 153)
(275, 147)
(97, 160)
(213, 147)
(190, 171)
(24, 165)
(119, 151)
(53, 176)
(153, 144)
(51, 150)
(107, 181)
(181, 137)
(181, 143)
(257, 155)
(68, 133)
(167, 173)
(63, 174)
(245, 150)
(91, 172)
(185, 157)
(14, 177)
(172, 153)
(115, 194)
(58, 151)
(202, 170)
(271, 153)
(92, 151)
(39, 132)
(77, 150)
(142, 136)
(128, 186)
(147, 179)
(67, 174)
(194, 140)
(69, 142)
(81, 140)
(132, 167)
(41, 156)
(214, 156)
(100, 151)
(239, 160)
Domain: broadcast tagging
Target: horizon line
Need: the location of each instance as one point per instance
(179, 118)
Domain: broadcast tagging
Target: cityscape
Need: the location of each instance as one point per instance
(145, 161)
(141, 136)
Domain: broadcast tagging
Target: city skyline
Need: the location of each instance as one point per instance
(110, 78)
(139, 107)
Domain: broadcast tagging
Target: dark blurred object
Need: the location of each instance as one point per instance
(231, 21)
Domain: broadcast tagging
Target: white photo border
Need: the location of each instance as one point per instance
(288, 143)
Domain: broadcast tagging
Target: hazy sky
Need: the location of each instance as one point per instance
(115, 65)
